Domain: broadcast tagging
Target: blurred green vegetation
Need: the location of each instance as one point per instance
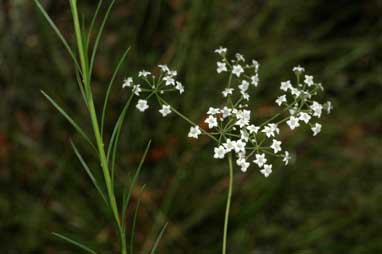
(328, 201)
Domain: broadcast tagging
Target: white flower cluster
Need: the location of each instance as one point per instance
(231, 125)
(154, 86)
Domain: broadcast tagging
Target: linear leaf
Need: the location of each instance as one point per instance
(71, 121)
(58, 33)
(158, 239)
(109, 88)
(94, 20)
(135, 220)
(74, 242)
(128, 191)
(89, 172)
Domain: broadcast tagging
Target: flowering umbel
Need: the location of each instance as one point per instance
(231, 125)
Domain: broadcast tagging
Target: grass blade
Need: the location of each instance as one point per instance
(127, 193)
(58, 33)
(71, 121)
(135, 220)
(74, 242)
(89, 172)
(99, 35)
(109, 88)
(158, 239)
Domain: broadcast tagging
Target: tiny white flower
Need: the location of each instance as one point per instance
(304, 117)
(239, 57)
(253, 128)
(243, 164)
(194, 132)
(295, 91)
(285, 85)
(211, 121)
(221, 67)
(143, 73)
(316, 129)
(137, 89)
(166, 109)
(260, 160)
(221, 50)
(243, 117)
(309, 80)
(286, 158)
(219, 152)
(239, 146)
(226, 112)
(164, 67)
(267, 170)
(293, 122)
(329, 107)
(298, 69)
(142, 105)
(276, 146)
(127, 82)
(229, 145)
(255, 80)
(169, 80)
(317, 109)
(256, 65)
(213, 111)
(237, 70)
(227, 91)
(179, 87)
(244, 86)
(270, 130)
(281, 99)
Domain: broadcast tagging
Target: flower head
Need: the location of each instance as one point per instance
(142, 105)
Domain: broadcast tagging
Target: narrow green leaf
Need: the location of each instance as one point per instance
(81, 87)
(71, 121)
(128, 191)
(135, 220)
(74, 242)
(58, 33)
(109, 88)
(158, 239)
(94, 20)
(99, 35)
(89, 172)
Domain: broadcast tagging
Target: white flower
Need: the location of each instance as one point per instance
(227, 91)
(179, 87)
(293, 122)
(276, 146)
(194, 132)
(304, 117)
(256, 65)
(243, 117)
(142, 105)
(219, 152)
(253, 128)
(229, 145)
(255, 80)
(164, 68)
(237, 70)
(298, 69)
(213, 111)
(286, 158)
(309, 80)
(316, 129)
(317, 109)
(285, 85)
(270, 130)
(127, 82)
(295, 91)
(166, 109)
(143, 73)
(221, 50)
(169, 80)
(244, 86)
(137, 89)
(260, 160)
(211, 121)
(221, 67)
(281, 99)
(239, 57)
(267, 170)
(239, 146)
(243, 164)
(226, 112)
(329, 107)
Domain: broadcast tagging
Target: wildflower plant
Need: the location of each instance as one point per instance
(105, 150)
(239, 137)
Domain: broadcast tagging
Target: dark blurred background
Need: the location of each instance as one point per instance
(328, 201)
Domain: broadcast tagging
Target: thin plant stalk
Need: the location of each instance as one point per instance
(228, 204)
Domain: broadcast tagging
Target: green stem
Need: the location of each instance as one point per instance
(228, 205)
